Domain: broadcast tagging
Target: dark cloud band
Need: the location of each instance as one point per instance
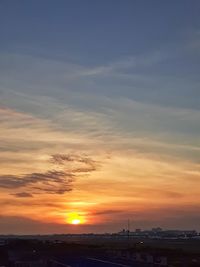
(52, 181)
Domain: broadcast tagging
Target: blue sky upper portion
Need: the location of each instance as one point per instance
(146, 51)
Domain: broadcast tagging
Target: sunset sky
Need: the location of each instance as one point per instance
(99, 115)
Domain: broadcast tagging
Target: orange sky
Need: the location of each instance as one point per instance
(104, 181)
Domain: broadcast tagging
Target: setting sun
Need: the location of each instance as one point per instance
(74, 218)
(76, 221)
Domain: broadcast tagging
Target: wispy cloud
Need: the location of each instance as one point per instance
(80, 163)
(22, 195)
(47, 181)
(52, 181)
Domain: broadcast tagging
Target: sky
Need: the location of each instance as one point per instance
(99, 115)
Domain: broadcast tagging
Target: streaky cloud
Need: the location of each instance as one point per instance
(52, 181)
(22, 195)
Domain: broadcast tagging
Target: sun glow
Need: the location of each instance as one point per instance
(74, 218)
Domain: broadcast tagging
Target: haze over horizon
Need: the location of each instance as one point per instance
(99, 115)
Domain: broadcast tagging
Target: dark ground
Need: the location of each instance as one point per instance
(96, 251)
